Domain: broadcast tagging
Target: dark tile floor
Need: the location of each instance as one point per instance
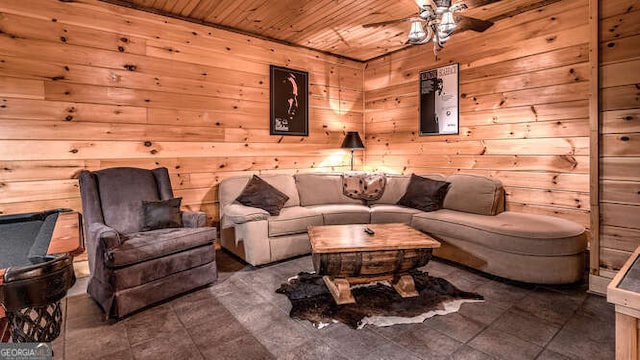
(241, 317)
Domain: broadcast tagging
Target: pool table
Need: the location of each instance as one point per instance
(36, 270)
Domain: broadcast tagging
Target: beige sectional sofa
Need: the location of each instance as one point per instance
(472, 226)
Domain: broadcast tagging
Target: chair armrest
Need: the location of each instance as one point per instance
(240, 214)
(109, 237)
(194, 219)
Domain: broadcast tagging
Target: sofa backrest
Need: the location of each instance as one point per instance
(474, 194)
(322, 188)
(397, 186)
(468, 193)
(230, 188)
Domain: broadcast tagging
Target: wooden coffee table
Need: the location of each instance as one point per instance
(346, 255)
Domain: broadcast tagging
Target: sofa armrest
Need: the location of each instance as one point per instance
(109, 237)
(240, 214)
(194, 219)
(251, 239)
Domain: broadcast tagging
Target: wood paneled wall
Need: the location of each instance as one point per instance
(87, 85)
(619, 133)
(524, 110)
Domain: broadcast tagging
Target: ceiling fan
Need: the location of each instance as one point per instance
(435, 21)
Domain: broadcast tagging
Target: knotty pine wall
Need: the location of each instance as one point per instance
(620, 133)
(87, 85)
(524, 110)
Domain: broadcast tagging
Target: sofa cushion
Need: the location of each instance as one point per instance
(293, 220)
(161, 214)
(343, 214)
(230, 188)
(424, 194)
(396, 187)
(143, 246)
(321, 189)
(474, 194)
(518, 233)
(258, 193)
(383, 214)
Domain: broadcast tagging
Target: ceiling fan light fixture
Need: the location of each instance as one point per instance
(439, 22)
(441, 39)
(447, 24)
(419, 33)
(442, 6)
(435, 22)
(427, 13)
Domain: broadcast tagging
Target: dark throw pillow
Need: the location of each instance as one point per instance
(258, 193)
(424, 194)
(161, 214)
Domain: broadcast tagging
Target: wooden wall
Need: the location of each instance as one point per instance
(524, 110)
(619, 133)
(87, 85)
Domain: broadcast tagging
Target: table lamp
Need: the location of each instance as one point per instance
(353, 142)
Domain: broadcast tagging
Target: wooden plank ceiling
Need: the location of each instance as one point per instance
(331, 26)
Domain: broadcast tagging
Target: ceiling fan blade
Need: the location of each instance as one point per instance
(388, 22)
(469, 23)
(477, 3)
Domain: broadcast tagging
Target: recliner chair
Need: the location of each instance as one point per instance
(131, 266)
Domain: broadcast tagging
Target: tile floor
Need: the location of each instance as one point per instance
(241, 317)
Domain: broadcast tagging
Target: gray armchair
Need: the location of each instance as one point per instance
(132, 267)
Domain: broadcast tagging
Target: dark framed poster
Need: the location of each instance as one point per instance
(439, 101)
(289, 91)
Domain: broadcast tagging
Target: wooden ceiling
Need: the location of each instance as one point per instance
(331, 26)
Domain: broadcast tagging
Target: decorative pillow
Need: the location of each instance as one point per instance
(258, 193)
(363, 186)
(424, 194)
(161, 214)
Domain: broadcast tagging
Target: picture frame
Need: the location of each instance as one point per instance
(439, 100)
(289, 101)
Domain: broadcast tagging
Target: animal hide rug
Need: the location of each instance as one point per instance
(376, 303)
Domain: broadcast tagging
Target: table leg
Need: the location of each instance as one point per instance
(340, 290)
(405, 286)
(626, 337)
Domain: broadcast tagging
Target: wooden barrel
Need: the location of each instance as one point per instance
(370, 263)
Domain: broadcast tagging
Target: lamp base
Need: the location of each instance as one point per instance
(351, 159)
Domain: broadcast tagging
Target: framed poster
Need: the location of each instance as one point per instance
(439, 100)
(289, 90)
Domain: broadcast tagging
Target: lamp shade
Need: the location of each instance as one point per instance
(447, 24)
(352, 141)
(417, 33)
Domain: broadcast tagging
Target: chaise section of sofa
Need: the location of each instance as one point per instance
(473, 226)
(475, 230)
(525, 247)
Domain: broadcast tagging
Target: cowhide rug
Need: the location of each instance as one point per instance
(377, 303)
